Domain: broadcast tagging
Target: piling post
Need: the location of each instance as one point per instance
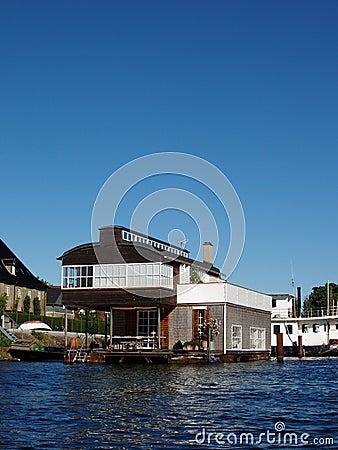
(300, 346)
(66, 328)
(86, 326)
(280, 348)
(106, 329)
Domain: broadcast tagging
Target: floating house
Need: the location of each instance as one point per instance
(318, 329)
(160, 299)
(17, 282)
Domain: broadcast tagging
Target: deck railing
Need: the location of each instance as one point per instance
(323, 312)
(134, 343)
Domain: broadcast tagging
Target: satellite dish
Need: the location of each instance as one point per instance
(183, 242)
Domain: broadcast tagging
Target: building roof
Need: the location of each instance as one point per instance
(54, 296)
(20, 276)
(88, 251)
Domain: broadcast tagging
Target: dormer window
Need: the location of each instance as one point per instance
(10, 265)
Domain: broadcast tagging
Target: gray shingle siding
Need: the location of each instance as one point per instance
(246, 317)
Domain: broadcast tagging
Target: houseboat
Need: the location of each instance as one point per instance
(159, 300)
(317, 329)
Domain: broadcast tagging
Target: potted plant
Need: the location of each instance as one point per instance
(210, 330)
(195, 345)
(188, 345)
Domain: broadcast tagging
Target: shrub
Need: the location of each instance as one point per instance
(3, 302)
(37, 334)
(36, 306)
(27, 304)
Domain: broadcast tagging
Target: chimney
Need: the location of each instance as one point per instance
(106, 235)
(208, 253)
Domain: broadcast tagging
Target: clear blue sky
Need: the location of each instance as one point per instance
(250, 86)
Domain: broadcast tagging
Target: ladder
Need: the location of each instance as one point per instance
(80, 355)
(7, 334)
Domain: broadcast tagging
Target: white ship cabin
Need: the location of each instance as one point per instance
(317, 328)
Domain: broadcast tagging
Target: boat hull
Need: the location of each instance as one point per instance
(36, 355)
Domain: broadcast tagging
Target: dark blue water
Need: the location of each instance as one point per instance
(57, 406)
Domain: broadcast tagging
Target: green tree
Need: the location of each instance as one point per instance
(3, 302)
(36, 306)
(317, 300)
(195, 276)
(26, 304)
(16, 304)
(44, 281)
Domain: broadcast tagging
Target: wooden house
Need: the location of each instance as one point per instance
(157, 296)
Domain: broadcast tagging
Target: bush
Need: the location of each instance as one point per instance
(4, 342)
(27, 304)
(36, 306)
(37, 334)
(3, 302)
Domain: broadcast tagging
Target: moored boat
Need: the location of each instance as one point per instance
(26, 350)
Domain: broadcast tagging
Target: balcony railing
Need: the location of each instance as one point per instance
(321, 312)
(287, 314)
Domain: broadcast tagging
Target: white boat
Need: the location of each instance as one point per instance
(318, 329)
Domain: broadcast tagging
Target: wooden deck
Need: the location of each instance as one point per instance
(101, 356)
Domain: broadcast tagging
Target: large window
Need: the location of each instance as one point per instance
(147, 323)
(118, 276)
(236, 336)
(110, 275)
(77, 277)
(257, 338)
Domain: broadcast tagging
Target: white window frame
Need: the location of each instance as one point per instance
(118, 276)
(257, 338)
(132, 237)
(152, 323)
(236, 339)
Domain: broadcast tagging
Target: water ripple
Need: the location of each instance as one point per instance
(55, 406)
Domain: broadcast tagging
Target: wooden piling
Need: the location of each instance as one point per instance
(300, 347)
(280, 348)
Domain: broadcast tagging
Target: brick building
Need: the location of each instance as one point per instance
(17, 282)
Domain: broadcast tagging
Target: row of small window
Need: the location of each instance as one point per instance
(127, 236)
(305, 328)
(18, 293)
(257, 338)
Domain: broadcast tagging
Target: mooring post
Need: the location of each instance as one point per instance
(300, 347)
(280, 348)
(66, 329)
(86, 326)
(105, 329)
